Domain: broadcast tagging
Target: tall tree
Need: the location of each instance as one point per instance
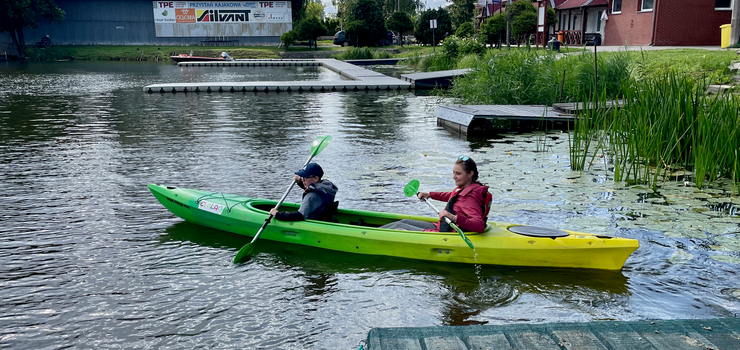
(365, 23)
(423, 33)
(400, 22)
(408, 6)
(461, 11)
(494, 28)
(18, 14)
(315, 9)
(310, 29)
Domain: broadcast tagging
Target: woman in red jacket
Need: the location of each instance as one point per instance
(467, 205)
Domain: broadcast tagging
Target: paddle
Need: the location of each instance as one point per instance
(412, 189)
(317, 146)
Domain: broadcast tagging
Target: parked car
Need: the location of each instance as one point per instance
(339, 38)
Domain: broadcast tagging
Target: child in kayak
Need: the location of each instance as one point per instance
(467, 205)
(318, 196)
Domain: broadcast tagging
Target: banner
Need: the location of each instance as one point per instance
(227, 12)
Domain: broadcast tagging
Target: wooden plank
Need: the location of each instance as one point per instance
(444, 343)
(489, 342)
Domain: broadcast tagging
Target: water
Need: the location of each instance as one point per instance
(91, 259)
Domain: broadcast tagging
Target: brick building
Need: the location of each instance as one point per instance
(644, 22)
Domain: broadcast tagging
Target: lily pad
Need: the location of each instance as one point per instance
(726, 259)
(731, 244)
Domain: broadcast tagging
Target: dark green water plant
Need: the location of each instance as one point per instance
(666, 126)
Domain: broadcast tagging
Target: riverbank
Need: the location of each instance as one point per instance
(163, 53)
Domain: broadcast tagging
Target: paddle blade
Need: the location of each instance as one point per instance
(412, 188)
(319, 144)
(244, 253)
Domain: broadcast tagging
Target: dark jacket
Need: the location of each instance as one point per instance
(317, 204)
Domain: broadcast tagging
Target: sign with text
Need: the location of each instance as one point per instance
(212, 12)
(432, 23)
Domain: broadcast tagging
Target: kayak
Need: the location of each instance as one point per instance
(360, 232)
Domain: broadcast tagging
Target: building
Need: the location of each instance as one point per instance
(146, 22)
(643, 22)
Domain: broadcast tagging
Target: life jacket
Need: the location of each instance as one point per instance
(328, 207)
(485, 208)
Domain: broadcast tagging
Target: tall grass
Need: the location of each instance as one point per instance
(666, 124)
(521, 77)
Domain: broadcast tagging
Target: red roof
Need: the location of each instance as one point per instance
(570, 4)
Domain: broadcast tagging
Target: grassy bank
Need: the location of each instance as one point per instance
(142, 53)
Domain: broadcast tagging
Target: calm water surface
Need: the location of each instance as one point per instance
(90, 259)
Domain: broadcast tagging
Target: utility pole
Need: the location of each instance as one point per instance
(735, 23)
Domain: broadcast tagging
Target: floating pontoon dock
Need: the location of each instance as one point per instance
(430, 80)
(603, 335)
(359, 79)
(467, 119)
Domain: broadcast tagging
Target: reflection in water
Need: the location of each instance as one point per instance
(90, 257)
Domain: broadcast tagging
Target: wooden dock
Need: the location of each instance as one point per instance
(431, 80)
(602, 335)
(359, 79)
(470, 119)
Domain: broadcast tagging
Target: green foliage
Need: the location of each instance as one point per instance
(366, 25)
(520, 77)
(408, 7)
(310, 29)
(455, 47)
(332, 24)
(494, 27)
(423, 33)
(465, 30)
(461, 11)
(314, 10)
(288, 38)
(699, 64)
(523, 25)
(665, 126)
(399, 22)
(552, 19)
(18, 14)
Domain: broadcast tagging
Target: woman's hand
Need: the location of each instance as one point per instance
(447, 214)
(273, 212)
(422, 196)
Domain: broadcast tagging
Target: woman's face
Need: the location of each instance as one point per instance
(462, 178)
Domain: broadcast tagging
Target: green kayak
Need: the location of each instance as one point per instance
(358, 231)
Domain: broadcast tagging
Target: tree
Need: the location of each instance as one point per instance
(520, 15)
(423, 33)
(408, 6)
(310, 29)
(493, 28)
(365, 23)
(18, 14)
(465, 30)
(288, 38)
(524, 25)
(332, 24)
(399, 22)
(552, 19)
(314, 9)
(461, 11)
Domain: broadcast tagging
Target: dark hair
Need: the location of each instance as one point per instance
(469, 165)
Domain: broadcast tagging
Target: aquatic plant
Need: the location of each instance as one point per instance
(665, 125)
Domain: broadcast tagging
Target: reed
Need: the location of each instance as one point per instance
(666, 124)
(522, 77)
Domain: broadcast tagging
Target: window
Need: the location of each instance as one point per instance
(647, 5)
(723, 4)
(617, 6)
(598, 21)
